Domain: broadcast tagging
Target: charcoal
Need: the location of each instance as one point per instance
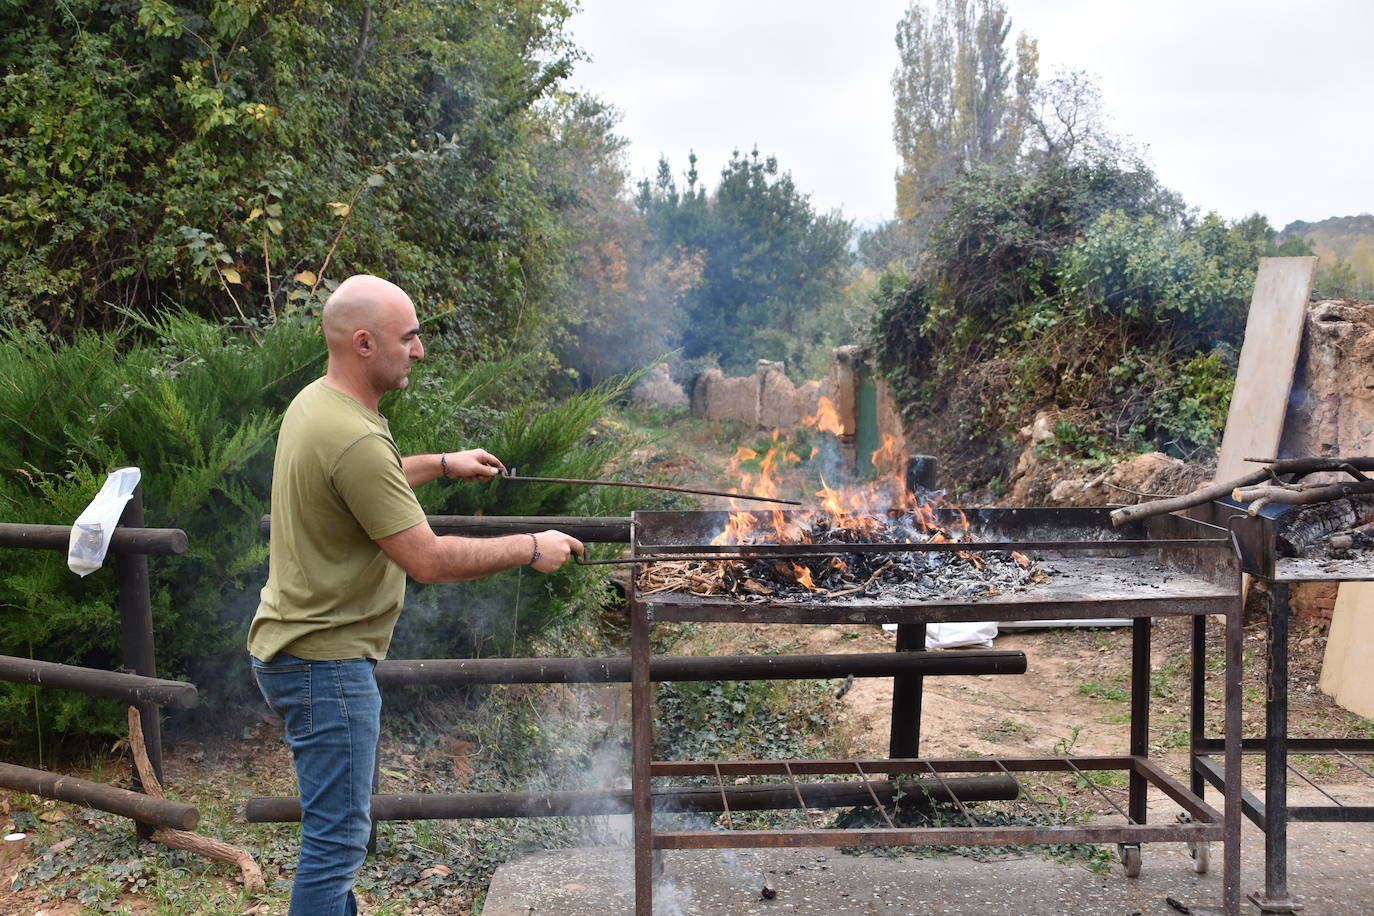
(914, 576)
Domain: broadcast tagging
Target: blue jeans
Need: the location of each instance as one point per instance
(332, 713)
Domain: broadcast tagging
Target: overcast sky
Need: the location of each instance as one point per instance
(1241, 106)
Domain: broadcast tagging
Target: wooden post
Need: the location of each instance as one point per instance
(136, 636)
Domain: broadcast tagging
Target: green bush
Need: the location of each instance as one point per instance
(195, 405)
(1082, 288)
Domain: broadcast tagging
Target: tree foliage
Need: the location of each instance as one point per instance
(624, 295)
(237, 156)
(961, 101)
(769, 262)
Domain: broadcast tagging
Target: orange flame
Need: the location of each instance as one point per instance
(826, 418)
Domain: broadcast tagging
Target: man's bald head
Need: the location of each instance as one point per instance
(373, 337)
(361, 302)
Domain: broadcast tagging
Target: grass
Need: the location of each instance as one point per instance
(1006, 730)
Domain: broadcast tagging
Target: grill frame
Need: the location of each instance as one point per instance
(1257, 542)
(1206, 571)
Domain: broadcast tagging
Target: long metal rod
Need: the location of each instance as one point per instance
(400, 672)
(936, 836)
(516, 478)
(713, 552)
(1276, 895)
(1354, 764)
(641, 757)
(671, 799)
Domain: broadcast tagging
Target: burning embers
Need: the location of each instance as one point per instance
(1341, 529)
(806, 560)
(818, 568)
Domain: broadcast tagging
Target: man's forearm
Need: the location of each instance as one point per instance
(421, 469)
(461, 559)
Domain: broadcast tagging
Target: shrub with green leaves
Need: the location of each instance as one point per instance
(237, 156)
(195, 405)
(1082, 288)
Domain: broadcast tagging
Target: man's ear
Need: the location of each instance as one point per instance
(362, 341)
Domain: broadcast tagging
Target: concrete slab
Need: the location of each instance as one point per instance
(1331, 872)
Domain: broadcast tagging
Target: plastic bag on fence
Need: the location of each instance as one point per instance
(93, 528)
(954, 635)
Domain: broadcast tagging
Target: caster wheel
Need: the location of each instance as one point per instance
(1198, 851)
(1130, 859)
(1201, 856)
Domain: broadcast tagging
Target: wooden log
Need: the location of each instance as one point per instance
(150, 541)
(129, 688)
(146, 809)
(218, 850)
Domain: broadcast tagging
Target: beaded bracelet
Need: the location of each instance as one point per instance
(443, 465)
(535, 558)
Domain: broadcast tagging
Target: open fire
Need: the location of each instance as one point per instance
(882, 512)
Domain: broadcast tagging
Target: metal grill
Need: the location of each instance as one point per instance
(1257, 538)
(1162, 566)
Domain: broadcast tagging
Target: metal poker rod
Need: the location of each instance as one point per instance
(512, 476)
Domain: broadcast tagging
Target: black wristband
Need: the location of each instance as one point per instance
(534, 558)
(443, 465)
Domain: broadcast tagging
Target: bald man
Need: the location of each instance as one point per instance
(346, 531)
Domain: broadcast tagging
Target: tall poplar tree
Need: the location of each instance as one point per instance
(961, 99)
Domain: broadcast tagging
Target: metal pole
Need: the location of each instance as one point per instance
(1276, 898)
(1232, 814)
(1197, 717)
(1140, 712)
(907, 692)
(136, 636)
(400, 672)
(641, 752)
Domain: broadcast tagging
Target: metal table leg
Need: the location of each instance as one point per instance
(641, 755)
(1276, 898)
(907, 693)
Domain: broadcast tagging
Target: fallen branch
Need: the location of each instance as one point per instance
(1299, 495)
(1274, 470)
(185, 839)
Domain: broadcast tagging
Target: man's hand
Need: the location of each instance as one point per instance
(473, 465)
(553, 549)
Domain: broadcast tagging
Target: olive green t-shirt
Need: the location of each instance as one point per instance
(337, 486)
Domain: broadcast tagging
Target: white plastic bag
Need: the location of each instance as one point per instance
(954, 635)
(93, 528)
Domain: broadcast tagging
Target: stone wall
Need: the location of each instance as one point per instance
(769, 400)
(766, 400)
(1331, 409)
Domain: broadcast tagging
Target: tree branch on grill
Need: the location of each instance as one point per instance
(1299, 495)
(185, 839)
(1280, 472)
